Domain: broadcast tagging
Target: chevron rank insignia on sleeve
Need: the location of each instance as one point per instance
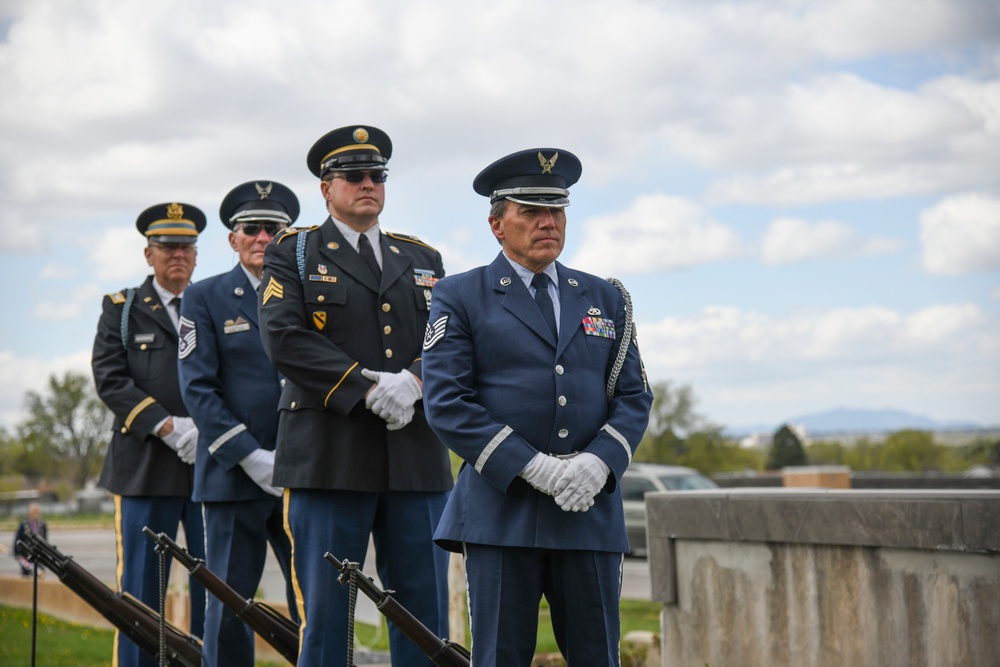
(187, 338)
(435, 332)
(275, 289)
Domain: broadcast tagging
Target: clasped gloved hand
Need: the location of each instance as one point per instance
(259, 466)
(580, 482)
(543, 471)
(393, 396)
(183, 439)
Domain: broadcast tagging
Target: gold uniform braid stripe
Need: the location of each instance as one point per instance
(143, 404)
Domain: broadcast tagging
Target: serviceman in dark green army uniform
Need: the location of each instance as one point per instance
(343, 310)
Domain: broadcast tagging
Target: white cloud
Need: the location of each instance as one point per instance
(797, 145)
(79, 301)
(20, 374)
(656, 233)
(961, 234)
(788, 240)
(751, 367)
(117, 255)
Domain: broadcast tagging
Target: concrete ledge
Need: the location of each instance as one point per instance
(812, 578)
(902, 519)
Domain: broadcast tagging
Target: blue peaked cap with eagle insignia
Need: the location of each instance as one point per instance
(536, 177)
(259, 201)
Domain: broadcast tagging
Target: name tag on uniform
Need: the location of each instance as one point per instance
(144, 338)
(235, 326)
(599, 326)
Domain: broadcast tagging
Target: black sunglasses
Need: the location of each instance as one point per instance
(359, 176)
(253, 228)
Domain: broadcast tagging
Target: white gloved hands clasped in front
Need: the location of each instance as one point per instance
(183, 439)
(580, 482)
(543, 471)
(259, 466)
(393, 396)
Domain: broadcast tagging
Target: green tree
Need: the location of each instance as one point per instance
(671, 419)
(912, 451)
(69, 424)
(826, 452)
(786, 450)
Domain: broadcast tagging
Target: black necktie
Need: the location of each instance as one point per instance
(176, 303)
(368, 254)
(541, 284)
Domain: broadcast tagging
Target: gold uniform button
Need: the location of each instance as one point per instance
(321, 298)
(386, 308)
(124, 430)
(293, 405)
(388, 354)
(387, 330)
(143, 346)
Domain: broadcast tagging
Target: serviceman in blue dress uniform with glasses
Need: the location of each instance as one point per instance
(343, 309)
(232, 390)
(532, 376)
(148, 463)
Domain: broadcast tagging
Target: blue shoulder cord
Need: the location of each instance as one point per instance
(129, 298)
(300, 254)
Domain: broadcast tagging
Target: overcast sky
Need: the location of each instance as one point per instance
(802, 197)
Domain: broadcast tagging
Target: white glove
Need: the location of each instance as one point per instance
(543, 471)
(187, 446)
(393, 396)
(259, 466)
(403, 420)
(183, 439)
(582, 479)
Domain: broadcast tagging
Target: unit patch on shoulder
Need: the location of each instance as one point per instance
(435, 332)
(187, 338)
(275, 289)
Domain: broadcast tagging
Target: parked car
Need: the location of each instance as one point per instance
(641, 478)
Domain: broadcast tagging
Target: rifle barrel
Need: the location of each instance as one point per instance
(442, 652)
(278, 631)
(139, 623)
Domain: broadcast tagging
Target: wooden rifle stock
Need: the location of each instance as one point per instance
(139, 623)
(278, 631)
(442, 652)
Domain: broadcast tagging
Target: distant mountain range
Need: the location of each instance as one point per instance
(851, 420)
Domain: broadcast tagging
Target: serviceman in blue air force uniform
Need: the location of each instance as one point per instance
(343, 309)
(231, 390)
(517, 361)
(148, 464)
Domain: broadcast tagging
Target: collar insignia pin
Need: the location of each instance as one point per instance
(572, 282)
(238, 291)
(505, 281)
(332, 245)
